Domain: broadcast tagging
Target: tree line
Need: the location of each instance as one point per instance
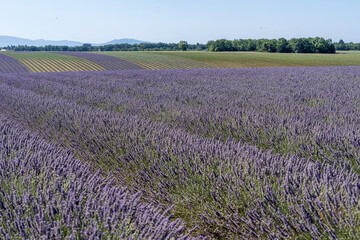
(115, 47)
(343, 46)
(294, 45)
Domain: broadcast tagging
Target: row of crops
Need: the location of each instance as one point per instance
(47, 193)
(159, 61)
(100, 61)
(53, 62)
(80, 61)
(11, 65)
(269, 153)
(107, 62)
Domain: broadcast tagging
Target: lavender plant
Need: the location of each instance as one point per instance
(243, 153)
(11, 65)
(46, 193)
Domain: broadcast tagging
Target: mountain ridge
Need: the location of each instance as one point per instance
(10, 40)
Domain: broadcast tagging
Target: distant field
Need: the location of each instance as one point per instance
(349, 52)
(103, 61)
(156, 60)
(253, 59)
(53, 62)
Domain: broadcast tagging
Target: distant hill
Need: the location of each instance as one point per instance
(123, 40)
(9, 40)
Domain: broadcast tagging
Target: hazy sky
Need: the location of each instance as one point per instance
(99, 21)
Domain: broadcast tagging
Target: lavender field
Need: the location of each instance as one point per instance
(11, 65)
(269, 153)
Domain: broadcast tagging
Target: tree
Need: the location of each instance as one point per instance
(260, 45)
(269, 45)
(250, 45)
(183, 45)
(239, 45)
(210, 46)
(282, 46)
(323, 46)
(302, 45)
(220, 45)
(86, 47)
(341, 45)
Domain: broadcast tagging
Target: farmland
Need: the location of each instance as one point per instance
(258, 153)
(107, 62)
(10, 65)
(253, 59)
(153, 60)
(53, 62)
(104, 61)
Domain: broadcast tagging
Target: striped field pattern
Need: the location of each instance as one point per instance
(258, 59)
(11, 65)
(54, 62)
(151, 60)
(12, 62)
(247, 154)
(107, 62)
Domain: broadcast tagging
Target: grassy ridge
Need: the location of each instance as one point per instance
(53, 62)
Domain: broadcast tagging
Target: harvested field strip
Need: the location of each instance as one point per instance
(36, 66)
(30, 65)
(63, 65)
(156, 66)
(150, 60)
(144, 65)
(57, 67)
(42, 65)
(93, 66)
(152, 66)
(84, 65)
(49, 66)
(79, 61)
(54, 65)
(106, 62)
(54, 62)
(70, 66)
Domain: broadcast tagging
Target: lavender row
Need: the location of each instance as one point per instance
(290, 111)
(107, 62)
(11, 65)
(46, 193)
(230, 188)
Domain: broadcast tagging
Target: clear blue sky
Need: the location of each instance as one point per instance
(99, 21)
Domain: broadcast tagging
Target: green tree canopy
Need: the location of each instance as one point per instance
(183, 45)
